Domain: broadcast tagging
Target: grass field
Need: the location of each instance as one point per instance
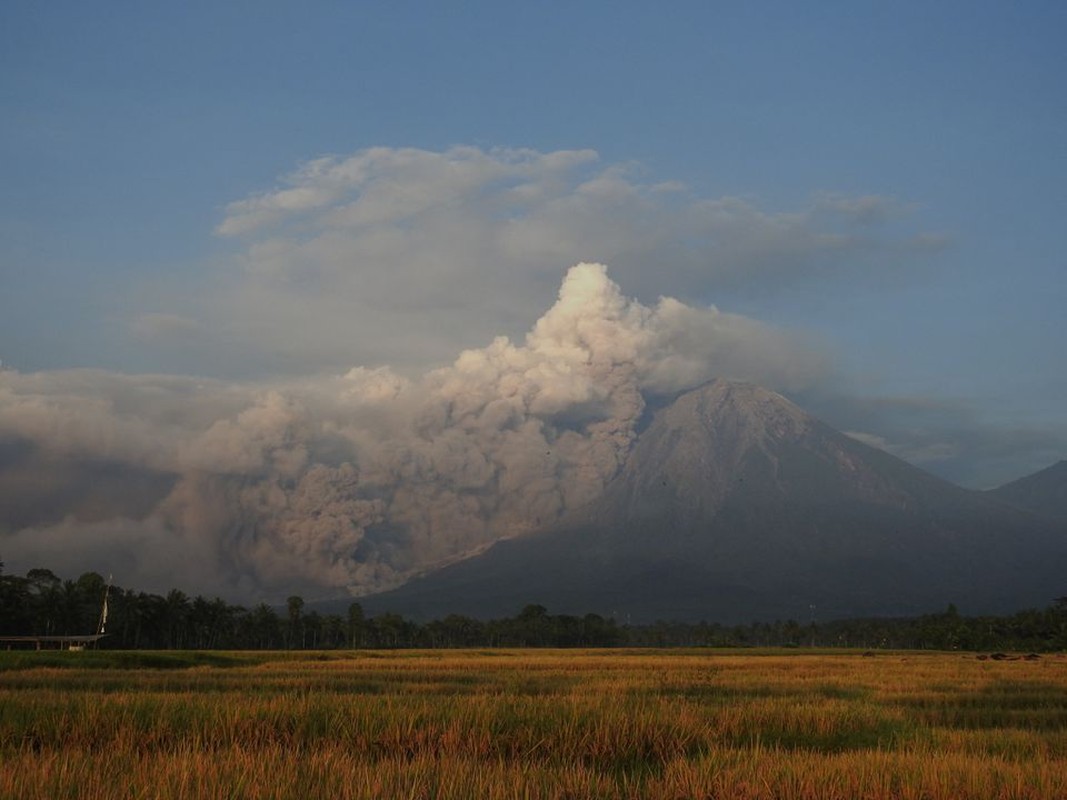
(537, 724)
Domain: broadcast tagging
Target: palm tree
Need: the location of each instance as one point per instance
(295, 605)
(176, 609)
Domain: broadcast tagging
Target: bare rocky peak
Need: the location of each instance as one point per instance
(696, 450)
(730, 439)
(734, 417)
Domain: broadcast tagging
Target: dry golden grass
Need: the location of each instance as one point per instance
(539, 724)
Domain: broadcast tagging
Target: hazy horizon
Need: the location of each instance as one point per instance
(281, 285)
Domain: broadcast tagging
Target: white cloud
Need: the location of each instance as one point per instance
(951, 438)
(405, 256)
(360, 479)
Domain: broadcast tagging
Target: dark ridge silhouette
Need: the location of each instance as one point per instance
(1044, 492)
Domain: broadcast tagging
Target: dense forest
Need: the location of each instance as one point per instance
(43, 604)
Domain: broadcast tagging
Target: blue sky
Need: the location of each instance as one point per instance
(886, 183)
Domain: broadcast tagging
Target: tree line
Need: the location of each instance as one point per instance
(43, 604)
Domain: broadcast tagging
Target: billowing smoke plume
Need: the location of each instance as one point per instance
(362, 480)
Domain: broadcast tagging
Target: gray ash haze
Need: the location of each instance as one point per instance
(357, 481)
(309, 301)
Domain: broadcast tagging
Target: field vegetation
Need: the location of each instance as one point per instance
(532, 724)
(42, 604)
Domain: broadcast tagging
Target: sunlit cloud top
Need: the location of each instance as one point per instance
(382, 256)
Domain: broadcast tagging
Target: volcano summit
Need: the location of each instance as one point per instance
(734, 505)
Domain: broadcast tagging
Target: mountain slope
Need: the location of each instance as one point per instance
(1044, 492)
(736, 505)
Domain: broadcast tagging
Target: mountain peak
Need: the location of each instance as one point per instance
(736, 505)
(696, 450)
(1044, 492)
(750, 412)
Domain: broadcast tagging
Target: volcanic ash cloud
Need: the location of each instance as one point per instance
(361, 480)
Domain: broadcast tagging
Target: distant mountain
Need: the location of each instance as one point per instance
(1044, 492)
(735, 505)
